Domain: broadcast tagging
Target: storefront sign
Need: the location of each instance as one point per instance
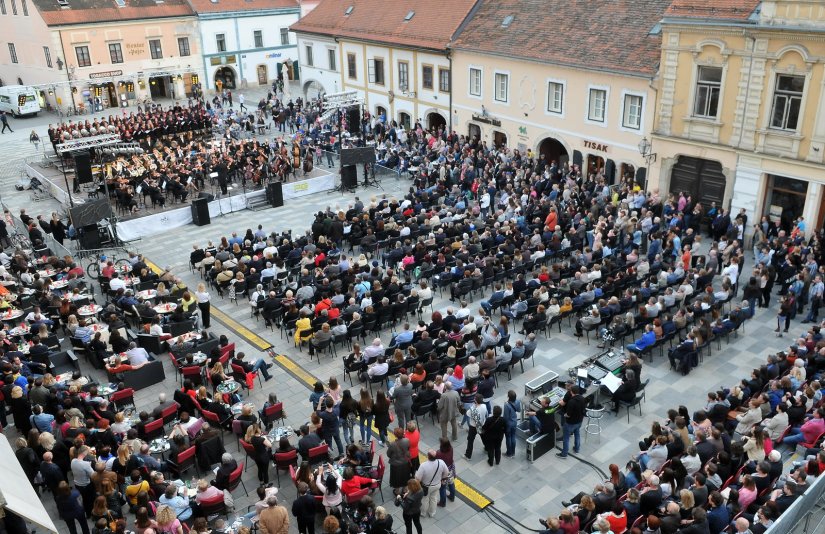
(134, 49)
(486, 120)
(598, 147)
(109, 74)
(273, 55)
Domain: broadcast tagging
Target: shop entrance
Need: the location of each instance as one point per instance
(263, 75)
(499, 139)
(157, 87)
(785, 200)
(226, 77)
(595, 164)
(703, 179)
(553, 150)
(435, 121)
(474, 132)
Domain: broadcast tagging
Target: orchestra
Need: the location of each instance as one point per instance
(179, 155)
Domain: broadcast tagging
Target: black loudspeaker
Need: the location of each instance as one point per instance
(200, 212)
(90, 212)
(275, 194)
(353, 120)
(83, 168)
(89, 237)
(208, 196)
(354, 156)
(349, 176)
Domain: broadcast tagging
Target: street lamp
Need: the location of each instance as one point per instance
(646, 150)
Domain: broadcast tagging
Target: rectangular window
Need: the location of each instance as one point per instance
(444, 80)
(13, 7)
(284, 36)
(632, 112)
(375, 71)
(308, 51)
(427, 76)
(332, 59)
(220, 42)
(352, 71)
(502, 87)
(25, 8)
(787, 101)
(155, 49)
(403, 75)
(83, 57)
(48, 54)
(475, 82)
(183, 46)
(115, 52)
(258, 35)
(3, 7)
(596, 106)
(12, 53)
(555, 97)
(708, 86)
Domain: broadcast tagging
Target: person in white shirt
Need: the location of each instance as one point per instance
(462, 312)
(116, 283)
(424, 293)
(137, 355)
(380, 368)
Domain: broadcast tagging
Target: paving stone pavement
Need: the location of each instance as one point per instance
(521, 489)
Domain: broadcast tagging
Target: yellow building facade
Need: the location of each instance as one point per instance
(740, 117)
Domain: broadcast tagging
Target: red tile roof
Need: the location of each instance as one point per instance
(208, 6)
(432, 26)
(90, 11)
(606, 35)
(712, 9)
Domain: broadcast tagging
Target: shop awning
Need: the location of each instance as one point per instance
(17, 493)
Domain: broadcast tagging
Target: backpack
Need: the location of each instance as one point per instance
(476, 417)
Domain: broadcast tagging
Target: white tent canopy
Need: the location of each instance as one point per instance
(17, 493)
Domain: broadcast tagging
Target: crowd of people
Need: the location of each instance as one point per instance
(550, 240)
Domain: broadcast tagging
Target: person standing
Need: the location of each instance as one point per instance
(494, 428)
(511, 410)
(402, 399)
(430, 475)
(477, 414)
(70, 508)
(241, 101)
(58, 228)
(202, 295)
(448, 405)
(410, 503)
(82, 473)
(303, 508)
(330, 427)
(445, 453)
(574, 409)
(274, 519)
(4, 117)
(263, 451)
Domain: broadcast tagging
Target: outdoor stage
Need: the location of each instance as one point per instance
(151, 221)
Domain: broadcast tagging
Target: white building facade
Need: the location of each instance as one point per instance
(246, 48)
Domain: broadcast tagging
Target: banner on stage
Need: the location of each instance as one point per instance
(308, 186)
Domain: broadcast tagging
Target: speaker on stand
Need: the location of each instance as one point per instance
(349, 177)
(200, 212)
(354, 120)
(275, 194)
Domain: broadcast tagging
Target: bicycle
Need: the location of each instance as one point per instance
(120, 264)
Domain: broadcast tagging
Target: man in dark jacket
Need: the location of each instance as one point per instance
(303, 508)
(309, 440)
(228, 465)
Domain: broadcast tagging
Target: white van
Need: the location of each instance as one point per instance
(19, 100)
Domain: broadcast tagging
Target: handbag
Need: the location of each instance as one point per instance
(426, 489)
(112, 523)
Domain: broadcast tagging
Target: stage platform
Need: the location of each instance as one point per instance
(151, 221)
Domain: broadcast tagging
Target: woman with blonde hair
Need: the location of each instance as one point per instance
(161, 292)
(263, 451)
(203, 298)
(71, 323)
(167, 522)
